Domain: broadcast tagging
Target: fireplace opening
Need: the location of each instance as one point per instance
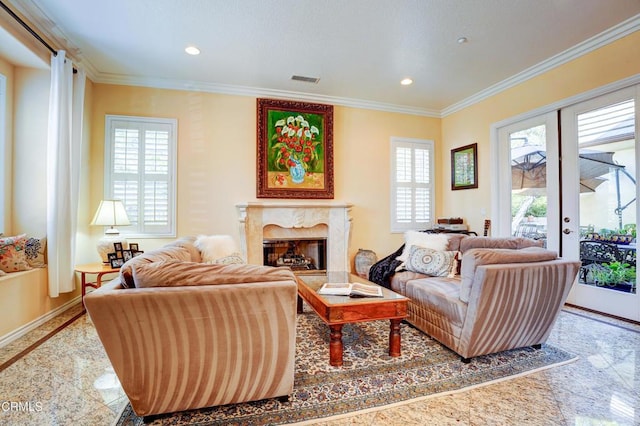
(298, 254)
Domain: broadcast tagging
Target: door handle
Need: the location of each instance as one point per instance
(567, 231)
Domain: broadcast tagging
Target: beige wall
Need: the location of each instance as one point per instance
(217, 158)
(608, 64)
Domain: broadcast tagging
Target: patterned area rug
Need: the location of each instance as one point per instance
(369, 378)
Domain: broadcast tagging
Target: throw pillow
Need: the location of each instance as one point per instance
(437, 242)
(35, 251)
(431, 262)
(214, 247)
(234, 258)
(13, 257)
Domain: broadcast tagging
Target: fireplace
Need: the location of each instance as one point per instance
(301, 255)
(303, 233)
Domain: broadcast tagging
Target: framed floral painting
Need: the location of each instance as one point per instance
(464, 167)
(295, 149)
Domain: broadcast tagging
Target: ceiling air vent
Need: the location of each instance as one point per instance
(305, 79)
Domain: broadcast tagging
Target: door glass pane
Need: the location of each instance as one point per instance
(529, 183)
(607, 153)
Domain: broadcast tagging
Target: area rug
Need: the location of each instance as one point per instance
(369, 379)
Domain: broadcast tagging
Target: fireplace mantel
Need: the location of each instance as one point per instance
(297, 217)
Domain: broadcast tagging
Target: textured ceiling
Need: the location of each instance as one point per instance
(360, 49)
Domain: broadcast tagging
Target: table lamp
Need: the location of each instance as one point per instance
(110, 213)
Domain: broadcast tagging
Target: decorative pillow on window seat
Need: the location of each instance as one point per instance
(36, 252)
(13, 256)
(430, 262)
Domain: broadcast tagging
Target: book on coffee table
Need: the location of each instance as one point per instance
(350, 289)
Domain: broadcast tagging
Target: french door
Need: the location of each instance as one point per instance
(528, 196)
(599, 209)
(568, 178)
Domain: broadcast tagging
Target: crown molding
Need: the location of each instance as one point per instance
(227, 89)
(619, 31)
(47, 28)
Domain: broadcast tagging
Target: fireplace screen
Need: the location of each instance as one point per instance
(298, 254)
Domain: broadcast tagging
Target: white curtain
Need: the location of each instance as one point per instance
(64, 147)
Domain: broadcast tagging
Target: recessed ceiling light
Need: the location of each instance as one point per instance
(406, 81)
(192, 50)
(462, 40)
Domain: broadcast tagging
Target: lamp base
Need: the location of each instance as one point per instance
(106, 245)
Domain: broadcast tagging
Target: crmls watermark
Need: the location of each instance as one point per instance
(21, 406)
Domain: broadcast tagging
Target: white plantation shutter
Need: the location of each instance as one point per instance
(411, 184)
(140, 168)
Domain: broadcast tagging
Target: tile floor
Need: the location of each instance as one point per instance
(67, 380)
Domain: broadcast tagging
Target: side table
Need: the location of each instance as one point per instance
(98, 269)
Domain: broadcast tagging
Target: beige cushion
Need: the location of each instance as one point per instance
(430, 262)
(158, 255)
(473, 258)
(513, 243)
(171, 273)
(214, 247)
(423, 239)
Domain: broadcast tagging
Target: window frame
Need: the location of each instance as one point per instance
(137, 231)
(398, 142)
(4, 169)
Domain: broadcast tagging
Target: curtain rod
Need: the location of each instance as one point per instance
(30, 30)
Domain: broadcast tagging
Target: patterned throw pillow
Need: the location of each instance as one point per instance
(12, 254)
(35, 251)
(233, 258)
(430, 262)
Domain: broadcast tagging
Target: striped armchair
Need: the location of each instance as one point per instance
(206, 335)
(502, 299)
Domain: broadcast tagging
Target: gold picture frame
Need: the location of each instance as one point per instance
(294, 149)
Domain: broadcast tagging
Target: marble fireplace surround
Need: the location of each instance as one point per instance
(296, 219)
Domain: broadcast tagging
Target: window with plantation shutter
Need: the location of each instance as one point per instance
(140, 157)
(411, 184)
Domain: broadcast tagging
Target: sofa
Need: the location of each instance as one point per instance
(479, 295)
(183, 333)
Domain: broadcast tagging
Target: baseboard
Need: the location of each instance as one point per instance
(21, 331)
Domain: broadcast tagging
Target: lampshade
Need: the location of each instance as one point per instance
(110, 213)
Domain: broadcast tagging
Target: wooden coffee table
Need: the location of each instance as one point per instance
(339, 310)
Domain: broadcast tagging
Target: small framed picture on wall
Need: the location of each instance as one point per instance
(464, 167)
